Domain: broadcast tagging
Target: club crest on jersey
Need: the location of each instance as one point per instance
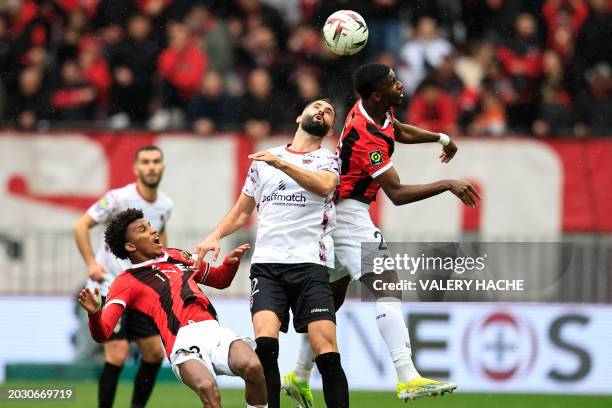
(376, 157)
(186, 256)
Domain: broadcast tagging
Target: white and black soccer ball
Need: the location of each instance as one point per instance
(345, 32)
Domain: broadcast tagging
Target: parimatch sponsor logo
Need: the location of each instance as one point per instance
(298, 200)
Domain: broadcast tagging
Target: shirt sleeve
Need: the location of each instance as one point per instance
(102, 210)
(103, 322)
(252, 180)
(377, 159)
(329, 163)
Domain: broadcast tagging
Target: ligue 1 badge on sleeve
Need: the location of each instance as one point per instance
(376, 157)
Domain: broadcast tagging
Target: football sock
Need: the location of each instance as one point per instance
(392, 328)
(305, 360)
(107, 385)
(257, 406)
(144, 382)
(267, 351)
(335, 386)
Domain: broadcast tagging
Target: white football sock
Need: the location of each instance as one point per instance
(392, 328)
(305, 360)
(257, 406)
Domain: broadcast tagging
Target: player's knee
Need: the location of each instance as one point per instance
(153, 356)
(116, 354)
(253, 371)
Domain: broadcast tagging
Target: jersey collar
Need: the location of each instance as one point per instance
(162, 258)
(364, 113)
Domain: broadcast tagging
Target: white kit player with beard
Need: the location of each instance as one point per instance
(292, 188)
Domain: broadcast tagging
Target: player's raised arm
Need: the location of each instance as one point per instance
(233, 220)
(408, 134)
(321, 183)
(81, 236)
(220, 277)
(101, 321)
(400, 194)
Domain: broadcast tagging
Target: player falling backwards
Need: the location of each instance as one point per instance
(104, 267)
(292, 188)
(365, 148)
(163, 285)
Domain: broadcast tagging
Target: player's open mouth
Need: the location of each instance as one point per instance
(157, 240)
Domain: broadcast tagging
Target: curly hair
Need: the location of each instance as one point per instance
(116, 230)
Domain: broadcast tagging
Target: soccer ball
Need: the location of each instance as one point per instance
(345, 32)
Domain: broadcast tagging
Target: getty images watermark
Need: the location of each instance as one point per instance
(474, 271)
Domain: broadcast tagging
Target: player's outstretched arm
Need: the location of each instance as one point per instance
(101, 322)
(220, 277)
(400, 194)
(81, 236)
(233, 220)
(408, 134)
(321, 183)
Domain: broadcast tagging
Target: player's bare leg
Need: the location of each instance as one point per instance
(266, 326)
(152, 356)
(244, 362)
(392, 327)
(296, 384)
(115, 355)
(322, 335)
(197, 377)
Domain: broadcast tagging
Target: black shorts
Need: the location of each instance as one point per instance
(302, 287)
(133, 325)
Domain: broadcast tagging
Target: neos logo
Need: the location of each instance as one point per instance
(500, 346)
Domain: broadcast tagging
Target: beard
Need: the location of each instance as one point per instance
(150, 184)
(314, 128)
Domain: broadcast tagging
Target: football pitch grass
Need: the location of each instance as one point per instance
(175, 395)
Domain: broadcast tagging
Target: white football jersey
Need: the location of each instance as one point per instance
(113, 202)
(293, 224)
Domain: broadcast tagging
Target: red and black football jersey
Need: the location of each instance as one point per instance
(365, 151)
(166, 289)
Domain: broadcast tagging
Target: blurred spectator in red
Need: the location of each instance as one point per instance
(259, 110)
(521, 59)
(181, 67)
(95, 68)
(567, 13)
(211, 110)
(595, 102)
(74, 99)
(433, 108)
(133, 64)
(424, 53)
(490, 120)
(30, 105)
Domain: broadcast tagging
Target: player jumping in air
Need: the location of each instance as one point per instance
(292, 187)
(104, 267)
(365, 148)
(163, 285)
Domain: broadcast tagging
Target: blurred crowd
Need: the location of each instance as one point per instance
(477, 67)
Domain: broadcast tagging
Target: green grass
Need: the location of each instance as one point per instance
(175, 395)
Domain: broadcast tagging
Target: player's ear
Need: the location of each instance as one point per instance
(298, 120)
(130, 247)
(377, 97)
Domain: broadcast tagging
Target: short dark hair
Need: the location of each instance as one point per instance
(147, 148)
(366, 78)
(115, 235)
(327, 100)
